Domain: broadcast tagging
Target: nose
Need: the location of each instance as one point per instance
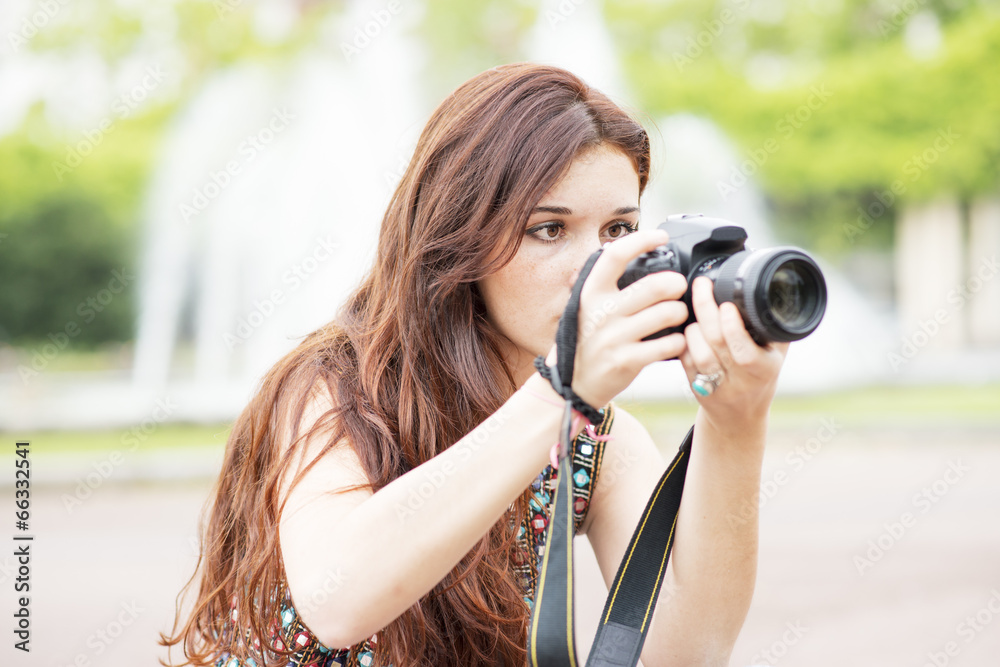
(584, 253)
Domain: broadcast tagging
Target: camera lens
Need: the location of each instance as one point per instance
(792, 293)
(780, 292)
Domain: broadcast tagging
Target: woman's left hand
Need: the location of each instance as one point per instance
(718, 342)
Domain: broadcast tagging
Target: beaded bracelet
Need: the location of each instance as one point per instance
(551, 373)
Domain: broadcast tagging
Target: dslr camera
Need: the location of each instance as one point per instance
(780, 292)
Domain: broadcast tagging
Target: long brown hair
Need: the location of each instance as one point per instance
(414, 364)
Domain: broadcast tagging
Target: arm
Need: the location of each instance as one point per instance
(378, 554)
(710, 578)
(375, 555)
(714, 562)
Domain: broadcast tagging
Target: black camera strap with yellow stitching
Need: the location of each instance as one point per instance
(628, 611)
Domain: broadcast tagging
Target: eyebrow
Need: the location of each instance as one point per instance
(562, 210)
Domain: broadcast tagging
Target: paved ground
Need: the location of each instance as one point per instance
(104, 572)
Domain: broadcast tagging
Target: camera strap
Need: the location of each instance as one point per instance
(631, 600)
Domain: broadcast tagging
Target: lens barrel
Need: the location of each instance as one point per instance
(780, 292)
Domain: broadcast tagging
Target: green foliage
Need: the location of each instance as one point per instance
(829, 86)
(971, 406)
(825, 93)
(70, 200)
(464, 38)
(222, 32)
(206, 33)
(68, 212)
(58, 262)
(181, 437)
(843, 106)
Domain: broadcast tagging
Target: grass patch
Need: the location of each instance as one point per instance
(871, 406)
(107, 357)
(163, 436)
(934, 401)
(867, 406)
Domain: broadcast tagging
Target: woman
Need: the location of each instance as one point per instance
(386, 488)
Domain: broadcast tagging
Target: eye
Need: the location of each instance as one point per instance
(624, 228)
(550, 232)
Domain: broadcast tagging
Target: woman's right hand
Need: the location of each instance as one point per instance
(610, 351)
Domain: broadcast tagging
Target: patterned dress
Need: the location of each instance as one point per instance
(588, 452)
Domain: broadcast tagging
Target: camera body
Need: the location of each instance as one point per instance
(780, 292)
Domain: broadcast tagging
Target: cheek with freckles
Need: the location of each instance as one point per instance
(525, 299)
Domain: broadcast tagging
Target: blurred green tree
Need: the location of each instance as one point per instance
(67, 227)
(833, 104)
(70, 213)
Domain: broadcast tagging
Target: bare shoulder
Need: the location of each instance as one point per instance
(627, 426)
(315, 505)
(630, 469)
(630, 459)
(335, 465)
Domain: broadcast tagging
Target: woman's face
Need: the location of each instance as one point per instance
(596, 201)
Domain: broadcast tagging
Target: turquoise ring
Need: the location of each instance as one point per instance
(704, 385)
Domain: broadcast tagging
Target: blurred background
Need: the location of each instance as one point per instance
(189, 187)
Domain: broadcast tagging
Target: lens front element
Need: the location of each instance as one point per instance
(792, 294)
(780, 292)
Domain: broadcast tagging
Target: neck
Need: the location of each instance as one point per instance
(524, 372)
(520, 362)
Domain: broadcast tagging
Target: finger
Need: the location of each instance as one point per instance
(742, 348)
(659, 286)
(688, 363)
(658, 349)
(611, 264)
(704, 357)
(782, 349)
(706, 312)
(655, 318)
